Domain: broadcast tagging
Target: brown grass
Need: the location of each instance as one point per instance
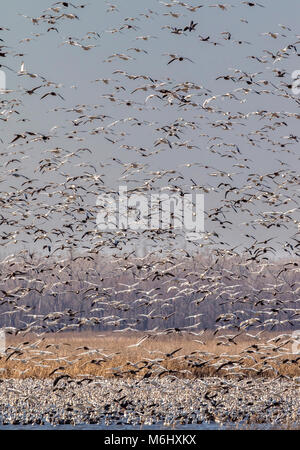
(36, 357)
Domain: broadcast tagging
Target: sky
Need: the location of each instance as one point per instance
(74, 72)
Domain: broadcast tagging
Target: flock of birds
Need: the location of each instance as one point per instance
(153, 133)
(209, 403)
